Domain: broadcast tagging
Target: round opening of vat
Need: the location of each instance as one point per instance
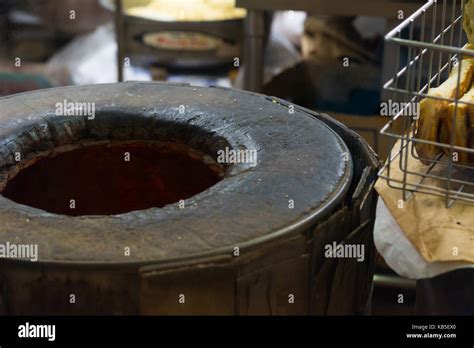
(113, 179)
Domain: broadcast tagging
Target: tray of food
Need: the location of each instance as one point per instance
(181, 33)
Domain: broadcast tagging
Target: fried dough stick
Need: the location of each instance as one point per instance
(464, 128)
(434, 111)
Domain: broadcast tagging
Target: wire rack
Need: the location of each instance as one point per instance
(429, 46)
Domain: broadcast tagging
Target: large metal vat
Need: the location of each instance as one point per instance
(253, 243)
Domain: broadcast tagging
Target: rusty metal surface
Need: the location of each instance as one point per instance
(300, 158)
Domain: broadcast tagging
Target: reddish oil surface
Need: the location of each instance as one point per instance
(101, 182)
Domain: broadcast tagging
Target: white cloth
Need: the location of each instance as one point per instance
(92, 59)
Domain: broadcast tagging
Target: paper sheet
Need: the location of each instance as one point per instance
(437, 232)
(400, 254)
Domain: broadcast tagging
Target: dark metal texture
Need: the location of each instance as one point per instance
(190, 251)
(299, 159)
(118, 16)
(254, 49)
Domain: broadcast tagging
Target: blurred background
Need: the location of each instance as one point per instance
(316, 53)
(58, 42)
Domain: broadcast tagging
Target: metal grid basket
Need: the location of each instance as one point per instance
(428, 45)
